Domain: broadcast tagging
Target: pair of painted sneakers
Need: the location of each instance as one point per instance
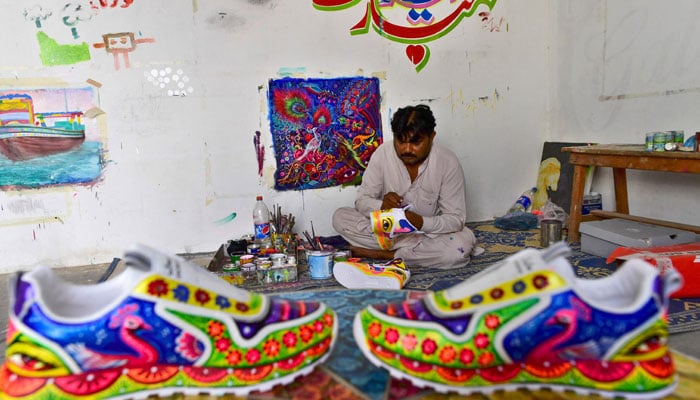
(165, 326)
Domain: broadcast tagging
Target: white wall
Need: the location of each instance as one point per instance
(177, 165)
(620, 70)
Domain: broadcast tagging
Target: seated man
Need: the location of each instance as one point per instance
(412, 201)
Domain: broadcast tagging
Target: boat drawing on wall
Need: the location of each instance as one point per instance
(25, 134)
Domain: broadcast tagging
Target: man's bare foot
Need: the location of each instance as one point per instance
(371, 253)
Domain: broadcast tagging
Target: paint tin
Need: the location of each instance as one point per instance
(228, 267)
(320, 264)
(649, 142)
(659, 141)
(679, 137)
(247, 259)
(263, 263)
(253, 248)
(341, 256)
(591, 201)
(550, 231)
(278, 259)
(236, 259)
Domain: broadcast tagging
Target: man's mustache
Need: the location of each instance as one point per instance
(408, 155)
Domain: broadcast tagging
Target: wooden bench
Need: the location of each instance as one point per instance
(621, 157)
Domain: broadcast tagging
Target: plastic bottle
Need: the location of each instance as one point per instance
(261, 221)
(524, 202)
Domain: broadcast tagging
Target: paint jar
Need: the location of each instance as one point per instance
(263, 263)
(228, 267)
(320, 264)
(253, 248)
(550, 231)
(248, 273)
(659, 141)
(341, 256)
(679, 137)
(247, 259)
(649, 142)
(278, 259)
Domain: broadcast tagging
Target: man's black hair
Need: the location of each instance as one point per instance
(412, 122)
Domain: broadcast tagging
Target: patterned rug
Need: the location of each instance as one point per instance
(684, 314)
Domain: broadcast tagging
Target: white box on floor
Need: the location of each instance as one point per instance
(600, 238)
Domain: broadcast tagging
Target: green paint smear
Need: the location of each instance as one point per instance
(227, 219)
(53, 53)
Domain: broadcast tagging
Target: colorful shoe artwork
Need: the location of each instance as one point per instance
(388, 223)
(162, 326)
(357, 275)
(529, 322)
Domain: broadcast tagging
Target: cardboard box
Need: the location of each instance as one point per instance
(685, 258)
(602, 237)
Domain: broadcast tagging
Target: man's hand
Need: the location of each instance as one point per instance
(392, 200)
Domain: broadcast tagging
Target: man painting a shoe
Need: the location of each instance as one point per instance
(412, 201)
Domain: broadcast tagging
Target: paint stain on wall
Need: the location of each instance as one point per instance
(259, 152)
(227, 219)
(52, 53)
(226, 20)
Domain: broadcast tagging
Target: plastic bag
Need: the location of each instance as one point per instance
(552, 211)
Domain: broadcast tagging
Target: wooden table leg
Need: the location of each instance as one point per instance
(577, 187)
(620, 180)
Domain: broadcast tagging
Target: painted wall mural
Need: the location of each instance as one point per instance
(323, 130)
(120, 45)
(73, 13)
(46, 138)
(413, 22)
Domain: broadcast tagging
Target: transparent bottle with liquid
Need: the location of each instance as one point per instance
(261, 222)
(524, 202)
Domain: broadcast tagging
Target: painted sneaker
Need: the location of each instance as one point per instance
(388, 223)
(528, 322)
(357, 275)
(162, 326)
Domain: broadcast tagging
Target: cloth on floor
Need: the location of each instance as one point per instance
(517, 221)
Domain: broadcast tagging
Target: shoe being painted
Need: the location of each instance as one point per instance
(162, 326)
(357, 275)
(388, 223)
(528, 322)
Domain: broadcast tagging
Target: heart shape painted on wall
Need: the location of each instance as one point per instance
(415, 53)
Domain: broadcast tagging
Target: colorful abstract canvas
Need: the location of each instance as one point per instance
(323, 130)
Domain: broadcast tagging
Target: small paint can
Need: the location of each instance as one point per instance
(278, 259)
(649, 142)
(679, 137)
(550, 231)
(247, 259)
(340, 256)
(253, 248)
(263, 263)
(228, 267)
(659, 141)
(320, 264)
(236, 259)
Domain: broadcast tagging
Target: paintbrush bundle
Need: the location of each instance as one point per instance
(279, 222)
(313, 240)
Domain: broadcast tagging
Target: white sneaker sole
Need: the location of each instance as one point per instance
(353, 278)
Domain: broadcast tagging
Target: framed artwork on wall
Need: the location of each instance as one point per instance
(323, 130)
